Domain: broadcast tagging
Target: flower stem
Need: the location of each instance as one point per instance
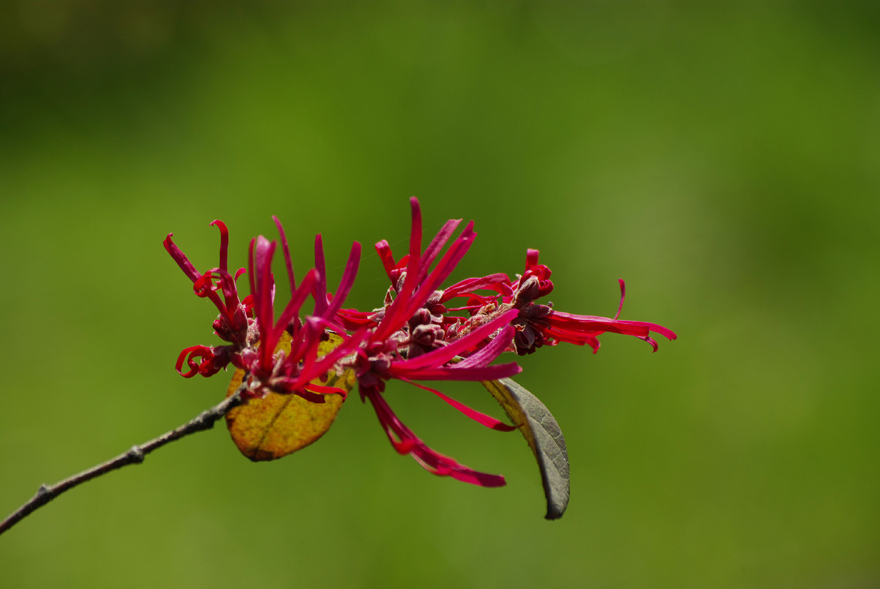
(46, 493)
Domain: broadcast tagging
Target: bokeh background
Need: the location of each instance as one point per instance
(722, 158)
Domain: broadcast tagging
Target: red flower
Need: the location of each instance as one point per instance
(413, 338)
(251, 327)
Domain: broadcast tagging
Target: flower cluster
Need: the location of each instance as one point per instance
(421, 332)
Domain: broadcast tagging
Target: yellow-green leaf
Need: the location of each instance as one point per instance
(545, 438)
(277, 425)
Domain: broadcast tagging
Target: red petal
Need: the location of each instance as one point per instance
(481, 418)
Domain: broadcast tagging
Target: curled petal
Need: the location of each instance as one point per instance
(205, 286)
(288, 264)
(540, 271)
(181, 259)
(202, 360)
(345, 284)
(263, 289)
(415, 242)
(354, 319)
(665, 332)
(444, 268)
(531, 258)
(384, 251)
(322, 390)
(467, 287)
(651, 341)
(224, 242)
(396, 315)
(592, 325)
(297, 298)
(321, 285)
(622, 296)
(436, 245)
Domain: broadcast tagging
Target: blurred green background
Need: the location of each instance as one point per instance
(722, 159)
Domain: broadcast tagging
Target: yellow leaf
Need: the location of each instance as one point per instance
(277, 425)
(545, 438)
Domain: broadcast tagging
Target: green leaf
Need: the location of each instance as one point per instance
(545, 438)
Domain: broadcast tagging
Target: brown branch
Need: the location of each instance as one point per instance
(135, 455)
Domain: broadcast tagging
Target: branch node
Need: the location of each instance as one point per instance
(136, 455)
(44, 490)
(205, 421)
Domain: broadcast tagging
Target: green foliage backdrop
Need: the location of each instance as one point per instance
(723, 160)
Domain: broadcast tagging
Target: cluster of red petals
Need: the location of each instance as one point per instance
(413, 336)
(250, 327)
(231, 324)
(542, 325)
